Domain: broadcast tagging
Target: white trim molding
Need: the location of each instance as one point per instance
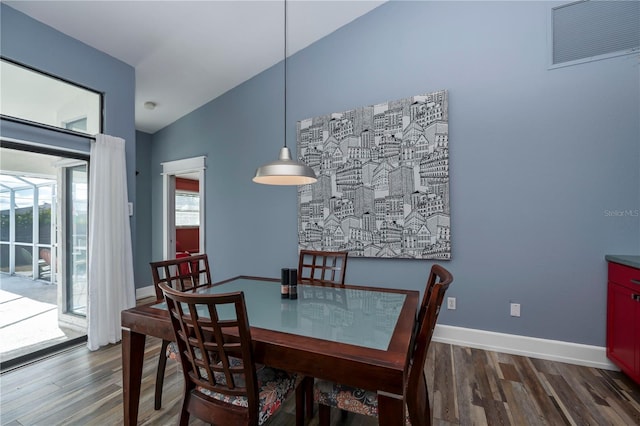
(184, 165)
(553, 350)
(144, 292)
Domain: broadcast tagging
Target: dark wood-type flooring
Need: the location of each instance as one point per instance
(467, 387)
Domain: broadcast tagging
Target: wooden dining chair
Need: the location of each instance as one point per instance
(328, 394)
(322, 266)
(223, 386)
(327, 267)
(183, 273)
(437, 274)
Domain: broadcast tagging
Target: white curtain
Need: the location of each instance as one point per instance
(111, 285)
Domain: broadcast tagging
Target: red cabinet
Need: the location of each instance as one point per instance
(623, 318)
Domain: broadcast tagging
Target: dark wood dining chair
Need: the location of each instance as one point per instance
(329, 394)
(437, 274)
(183, 273)
(322, 266)
(223, 386)
(327, 267)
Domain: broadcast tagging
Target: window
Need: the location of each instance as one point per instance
(79, 125)
(591, 30)
(187, 208)
(39, 98)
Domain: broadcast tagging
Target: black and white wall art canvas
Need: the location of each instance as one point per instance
(383, 180)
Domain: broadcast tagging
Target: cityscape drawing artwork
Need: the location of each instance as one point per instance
(383, 180)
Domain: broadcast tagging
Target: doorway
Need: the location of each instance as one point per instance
(187, 215)
(43, 251)
(183, 207)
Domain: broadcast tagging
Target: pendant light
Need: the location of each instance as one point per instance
(285, 170)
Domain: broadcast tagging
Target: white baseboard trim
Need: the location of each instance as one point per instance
(144, 292)
(553, 350)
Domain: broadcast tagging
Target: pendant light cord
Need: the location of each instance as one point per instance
(285, 170)
(285, 73)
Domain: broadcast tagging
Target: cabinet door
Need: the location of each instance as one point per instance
(622, 329)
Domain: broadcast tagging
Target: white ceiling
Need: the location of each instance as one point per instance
(23, 163)
(186, 53)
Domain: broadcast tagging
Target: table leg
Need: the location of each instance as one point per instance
(132, 358)
(391, 409)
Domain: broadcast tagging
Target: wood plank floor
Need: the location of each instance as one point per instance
(467, 387)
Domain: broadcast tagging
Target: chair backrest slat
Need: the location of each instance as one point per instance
(322, 266)
(183, 273)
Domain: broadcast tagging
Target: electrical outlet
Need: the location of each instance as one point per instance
(451, 303)
(515, 309)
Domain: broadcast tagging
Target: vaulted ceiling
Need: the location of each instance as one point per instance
(186, 53)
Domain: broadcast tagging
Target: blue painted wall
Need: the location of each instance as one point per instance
(32, 43)
(539, 160)
(143, 207)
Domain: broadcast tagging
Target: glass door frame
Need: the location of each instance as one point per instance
(69, 312)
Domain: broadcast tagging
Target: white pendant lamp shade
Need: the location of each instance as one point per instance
(285, 171)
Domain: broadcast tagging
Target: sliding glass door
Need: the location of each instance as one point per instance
(75, 230)
(43, 251)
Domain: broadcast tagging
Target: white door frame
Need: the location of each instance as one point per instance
(170, 170)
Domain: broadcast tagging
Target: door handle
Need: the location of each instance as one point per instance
(636, 297)
(637, 282)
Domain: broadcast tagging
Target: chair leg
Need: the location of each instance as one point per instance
(162, 364)
(324, 415)
(300, 397)
(428, 419)
(308, 391)
(184, 415)
(343, 415)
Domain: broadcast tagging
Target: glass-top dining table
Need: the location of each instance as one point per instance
(355, 335)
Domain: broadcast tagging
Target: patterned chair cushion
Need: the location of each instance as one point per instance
(349, 398)
(172, 351)
(274, 386)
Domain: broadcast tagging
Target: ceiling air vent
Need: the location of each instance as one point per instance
(594, 29)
